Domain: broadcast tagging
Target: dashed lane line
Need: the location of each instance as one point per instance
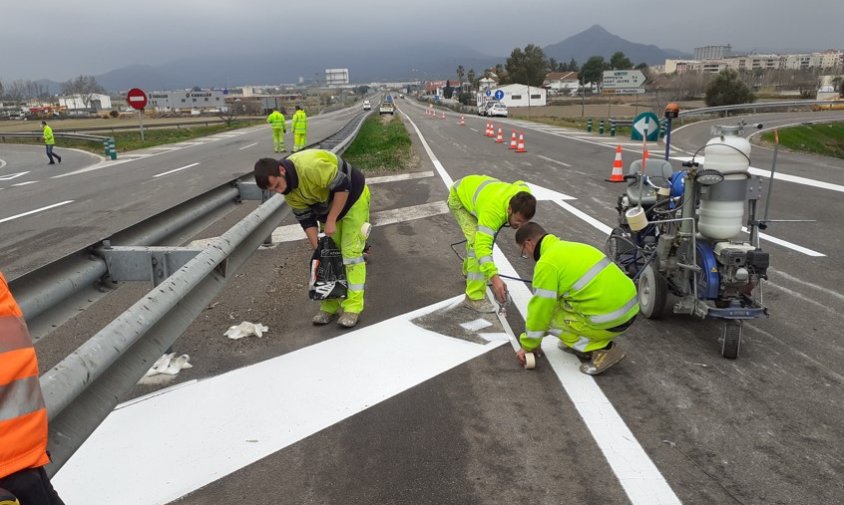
(35, 211)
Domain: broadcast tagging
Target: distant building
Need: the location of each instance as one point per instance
(562, 82)
(826, 60)
(186, 101)
(520, 95)
(79, 104)
(713, 52)
(336, 76)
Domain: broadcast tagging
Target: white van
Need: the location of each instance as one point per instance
(366, 105)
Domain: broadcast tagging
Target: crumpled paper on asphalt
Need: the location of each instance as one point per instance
(169, 364)
(246, 329)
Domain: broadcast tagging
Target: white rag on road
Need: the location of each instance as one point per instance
(246, 329)
(169, 364)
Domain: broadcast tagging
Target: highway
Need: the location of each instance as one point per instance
(408, 408)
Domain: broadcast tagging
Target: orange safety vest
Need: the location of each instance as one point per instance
(23, 416)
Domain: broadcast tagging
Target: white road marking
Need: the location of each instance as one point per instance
(787, 244)
(180, 442)
(176, 169)
(474, 130)
(437, 165)
(248, 146)
(292, 232)
(552, 160)
(28, 213)
(9, 177)
(399, 177)
(2, 163)
(636, 473)
(27, 183)
(779, 273)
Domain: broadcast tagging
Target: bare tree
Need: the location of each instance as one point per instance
(86, 86)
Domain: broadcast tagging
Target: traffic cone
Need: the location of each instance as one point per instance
(500, 138)
(513, 141)
(617, 168)
(462, 121)
(520, 148)
(489, 130)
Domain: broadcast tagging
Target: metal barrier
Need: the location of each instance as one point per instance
(86, 385)
(757, 106)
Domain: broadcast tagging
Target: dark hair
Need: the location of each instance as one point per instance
(298, 108)
(528, 231)
(43, 122)
(523, 203)
(264, 168)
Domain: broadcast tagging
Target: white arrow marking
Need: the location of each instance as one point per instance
(16, 216)
(189, 437)
(12, 176)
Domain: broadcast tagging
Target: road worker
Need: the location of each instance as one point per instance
(49, 143)
(482, 205)
(276, 121)
(580, 296)
(299, 125)
(320, 187)
(23, 416)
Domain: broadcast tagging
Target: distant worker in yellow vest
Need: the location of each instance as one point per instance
(482, 205)
(580, 296)
(49, 143)
(276, 121)
(299, 125)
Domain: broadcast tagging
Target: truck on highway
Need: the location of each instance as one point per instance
(387, 108)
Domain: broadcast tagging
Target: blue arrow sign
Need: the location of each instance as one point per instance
(488, 93)
(499, 94)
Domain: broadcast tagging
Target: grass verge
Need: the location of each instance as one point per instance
(382, 145)
(131, 140)
(826, 139)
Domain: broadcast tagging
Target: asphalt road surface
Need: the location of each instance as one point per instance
(424, 402)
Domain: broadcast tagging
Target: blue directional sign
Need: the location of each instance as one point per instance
(499, 94)
(488, 93)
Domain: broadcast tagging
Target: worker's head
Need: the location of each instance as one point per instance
(269, 175)
(527, 238)
(298, 108)
(43, 123)
(521, 210)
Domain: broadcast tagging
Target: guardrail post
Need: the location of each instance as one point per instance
(589, 125)
(601, 127)
(612, 128)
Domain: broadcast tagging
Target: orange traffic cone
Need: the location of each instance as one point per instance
(520, 148)
(489, 130)
(500, 138)
(617, 168)
(462, 121)
(513, 141)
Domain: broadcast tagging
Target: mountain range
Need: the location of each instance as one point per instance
(393, 63)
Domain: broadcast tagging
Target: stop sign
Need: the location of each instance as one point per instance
(137, 98)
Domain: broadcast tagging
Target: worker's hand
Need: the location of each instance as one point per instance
(520, 357)
(499, 289)
(330, 228)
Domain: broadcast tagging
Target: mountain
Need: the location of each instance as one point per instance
(596, 41)
(424, 61)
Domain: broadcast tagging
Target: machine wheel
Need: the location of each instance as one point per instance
(653, 291)
(731, 339)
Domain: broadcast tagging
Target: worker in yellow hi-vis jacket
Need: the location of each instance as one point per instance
(299, 125)
(277, 122)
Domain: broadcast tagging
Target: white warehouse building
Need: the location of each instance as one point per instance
(85, 103)
(520, 95)
(175, 101)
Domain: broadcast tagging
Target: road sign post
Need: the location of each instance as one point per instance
(137, 99)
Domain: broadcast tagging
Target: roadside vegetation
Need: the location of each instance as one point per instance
(131, 140)
(826, 139)
(382, 145)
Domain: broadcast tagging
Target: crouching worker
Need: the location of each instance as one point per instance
(482, 205)
(580, 296)
(320, 187)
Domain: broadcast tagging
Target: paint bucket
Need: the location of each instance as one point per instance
(636, 218)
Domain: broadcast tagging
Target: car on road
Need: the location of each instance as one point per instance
(367, 105)
(387, 108)
(497, 109)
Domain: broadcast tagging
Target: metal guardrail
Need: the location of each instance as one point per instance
(758, 106)
(61, 135)
(85, 386)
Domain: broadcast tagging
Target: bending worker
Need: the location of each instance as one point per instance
(299, 125)
(276, 121)
(320, 187)
(580, 296)
(23, 416)
(482, 205)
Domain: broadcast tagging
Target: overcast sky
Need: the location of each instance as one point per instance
(60, 39)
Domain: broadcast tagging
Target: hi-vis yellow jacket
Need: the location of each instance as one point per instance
(487, 199)
(276, 120)
(299, 122)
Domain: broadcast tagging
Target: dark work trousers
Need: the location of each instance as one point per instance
(31, 487)
(51, 154)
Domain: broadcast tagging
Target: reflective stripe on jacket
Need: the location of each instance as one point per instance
(487, 199)
(299, 122)
(584, 282)
(23, 417)
(49, 139)
(276, 120)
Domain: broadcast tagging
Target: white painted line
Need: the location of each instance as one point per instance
(399, 177)
(27, 183)
(292, 232)
(474, 130)
(176, 169)
(777, 176)
(636, 473)
(585, 217)
(197, 434)
(248, 146)
(437, 165)
(551, 160)
(53, 206)
(2, 163)
(779, 273)
(476, 325)
(9, 177)
(787, 244)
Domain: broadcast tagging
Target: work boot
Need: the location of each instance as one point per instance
(60, 159)
(602, 359)
(349, 319)
(583, 356)
(323, 317)
(483, 305)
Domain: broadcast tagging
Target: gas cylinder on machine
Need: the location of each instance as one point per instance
(721, 211)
